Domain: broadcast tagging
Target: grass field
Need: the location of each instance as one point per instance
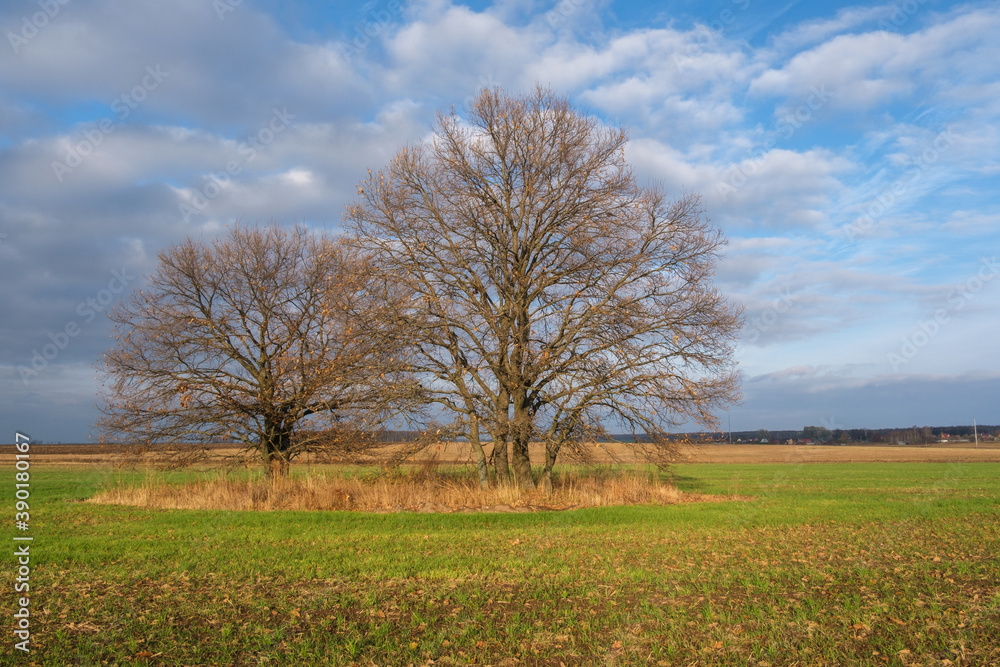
(829, 564)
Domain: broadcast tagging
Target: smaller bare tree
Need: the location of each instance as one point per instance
(269, 336)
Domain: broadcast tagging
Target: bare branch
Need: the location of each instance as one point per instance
(550, 296)
(269, 337)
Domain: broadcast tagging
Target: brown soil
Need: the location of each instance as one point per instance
(452, 453)
(938, 453)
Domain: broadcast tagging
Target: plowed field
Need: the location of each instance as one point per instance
(604, 453)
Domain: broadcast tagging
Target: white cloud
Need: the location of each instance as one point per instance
(780, 188)
(219, 72)
(852, 67)
(868, 69)
(811, 32)
(481, 42)
(972, 223)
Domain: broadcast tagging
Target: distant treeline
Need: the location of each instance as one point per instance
(821, 434)
(409, 436)
(912, 435)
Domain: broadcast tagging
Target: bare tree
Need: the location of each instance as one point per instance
(268, 336)
(552, 297)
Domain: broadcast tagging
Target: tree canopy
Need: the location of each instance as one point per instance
(268, 336)
(550, 297)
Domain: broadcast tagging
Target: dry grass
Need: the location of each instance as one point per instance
(423, 490)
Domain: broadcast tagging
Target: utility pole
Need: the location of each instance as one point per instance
(730, 417)
(975, 431)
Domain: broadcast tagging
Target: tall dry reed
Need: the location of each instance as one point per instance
(421, 490)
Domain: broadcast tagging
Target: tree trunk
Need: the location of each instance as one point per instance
(477, 449)
(523, 430)
(547, 481)
(522, 464)
(501, 459)
(551, 452)
(277, 443)
(277, 468)
(500, 453)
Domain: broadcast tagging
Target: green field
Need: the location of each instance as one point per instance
(829, 564)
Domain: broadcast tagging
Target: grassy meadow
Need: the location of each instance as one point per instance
(828, 564)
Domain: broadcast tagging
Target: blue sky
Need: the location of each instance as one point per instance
(850, 152)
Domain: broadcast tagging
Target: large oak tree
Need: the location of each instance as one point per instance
(268, 336)
(552, 298)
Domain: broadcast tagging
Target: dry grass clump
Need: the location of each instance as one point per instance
(395, 491)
